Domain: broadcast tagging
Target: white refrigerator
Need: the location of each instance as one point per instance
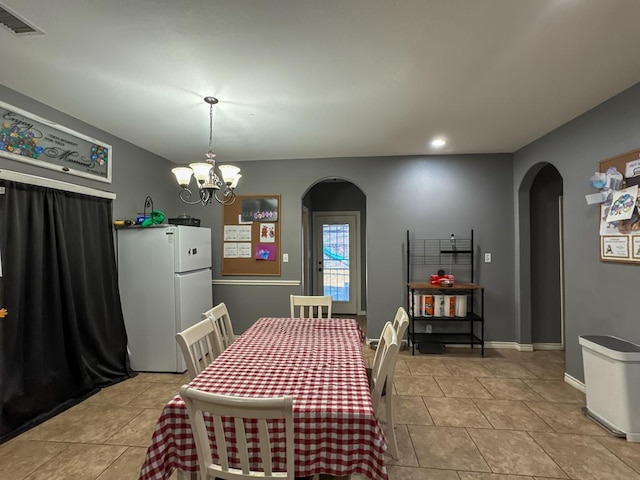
(164, 275)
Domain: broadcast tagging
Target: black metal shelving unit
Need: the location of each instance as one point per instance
(424, 257)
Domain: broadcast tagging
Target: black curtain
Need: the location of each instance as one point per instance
(63, 336)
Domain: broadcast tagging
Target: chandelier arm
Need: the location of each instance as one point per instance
(229, 197)
(185, 194)
(214, 181)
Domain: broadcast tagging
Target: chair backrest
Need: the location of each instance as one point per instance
(377, 358)
(200, 345)
(400, 323)
(219, 315)
(311, 306)
(384, 364)
(240, 417)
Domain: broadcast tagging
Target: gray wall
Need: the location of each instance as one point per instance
(432, 196)
(136, 172)
(600, 298)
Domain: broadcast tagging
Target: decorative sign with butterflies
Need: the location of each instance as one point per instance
(26, 137)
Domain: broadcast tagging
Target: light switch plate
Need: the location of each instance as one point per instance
(285, 257)
(487, 258)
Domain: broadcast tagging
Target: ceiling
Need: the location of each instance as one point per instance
(323, 78)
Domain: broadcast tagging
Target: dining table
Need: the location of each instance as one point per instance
(319, 362)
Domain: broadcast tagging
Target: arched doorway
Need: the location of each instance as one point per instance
(334, 239)
(541, 324)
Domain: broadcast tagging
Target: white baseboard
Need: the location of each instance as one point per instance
(524, 347)
(548, 346)
(521, 347)
(574, 383)
(367, 341)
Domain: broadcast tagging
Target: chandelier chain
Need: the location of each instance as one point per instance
(211, 129)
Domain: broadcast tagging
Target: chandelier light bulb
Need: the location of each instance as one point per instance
(229, 173)
(183, 175)
(201, 171)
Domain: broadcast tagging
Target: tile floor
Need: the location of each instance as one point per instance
(507, 416)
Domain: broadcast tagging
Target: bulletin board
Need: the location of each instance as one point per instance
(620, 241)
(251, 236)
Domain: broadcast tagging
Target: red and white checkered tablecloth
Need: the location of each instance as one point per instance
(317, 361)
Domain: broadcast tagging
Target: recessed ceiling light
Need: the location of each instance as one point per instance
(438, 142)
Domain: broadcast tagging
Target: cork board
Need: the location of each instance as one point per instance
(251, 236)
(622, 245)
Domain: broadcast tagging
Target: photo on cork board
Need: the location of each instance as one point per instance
(259, 210)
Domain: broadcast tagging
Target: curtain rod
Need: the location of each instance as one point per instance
(57, 184)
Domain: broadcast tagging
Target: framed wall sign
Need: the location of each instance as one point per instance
(26, 137)
(614, 247)
(635, 247)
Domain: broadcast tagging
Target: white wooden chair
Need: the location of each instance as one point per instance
(377, 358)
(401, 323)
(219, 316)
(311, 306)
(240, 410)
(384, 364)
(200, 345)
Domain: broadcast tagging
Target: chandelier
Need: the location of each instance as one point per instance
(210, 186)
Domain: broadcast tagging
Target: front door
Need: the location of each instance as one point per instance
(336, 259)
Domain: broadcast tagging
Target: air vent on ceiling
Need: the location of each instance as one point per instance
(17, 24)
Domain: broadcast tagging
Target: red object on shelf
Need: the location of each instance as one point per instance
(442, 280)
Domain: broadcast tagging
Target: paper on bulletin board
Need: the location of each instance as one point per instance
(258, 209)
(615, 246)
(244, 250)
(632, 168)
(244, 233)
(635, 247)
(230, 250)
(268, 232)
(230, 233)
(623, 204)
(607, 228)
(265, 251)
